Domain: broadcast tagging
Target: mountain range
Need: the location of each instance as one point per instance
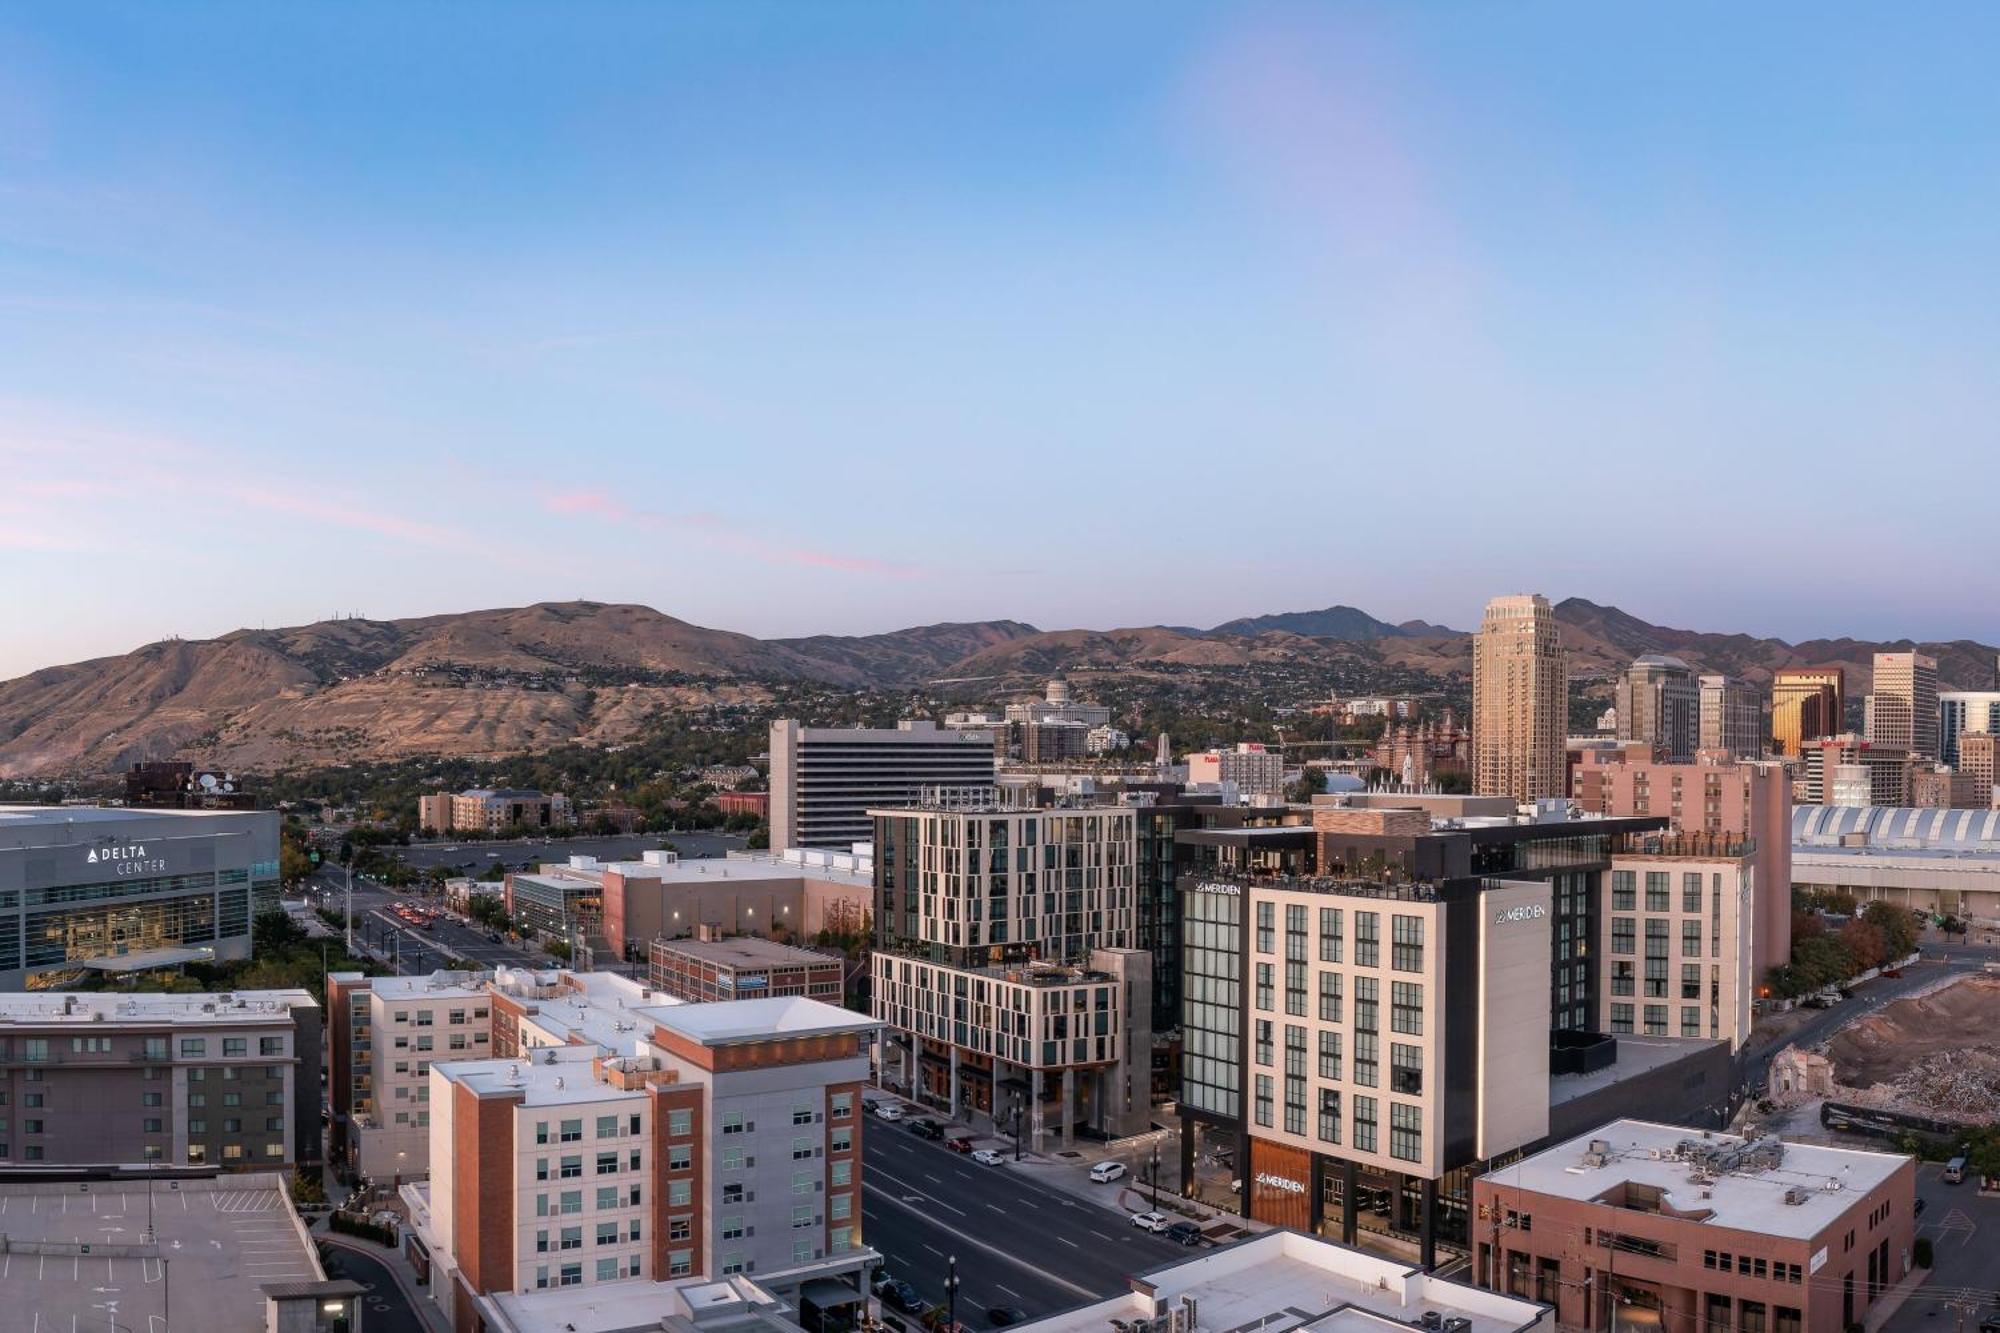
(495, 682)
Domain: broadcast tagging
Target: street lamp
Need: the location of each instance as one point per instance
(1155, 1175)
(951, 1294)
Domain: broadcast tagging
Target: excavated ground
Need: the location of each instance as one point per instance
(1936, 1054)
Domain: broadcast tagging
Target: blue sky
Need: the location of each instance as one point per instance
(803, 317)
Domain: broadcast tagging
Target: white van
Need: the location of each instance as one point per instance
(1954, 1171)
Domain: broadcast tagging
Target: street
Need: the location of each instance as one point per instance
(1018, 1242)
(1963, 1226)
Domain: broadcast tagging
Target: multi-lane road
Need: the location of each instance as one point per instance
(1018, 1242)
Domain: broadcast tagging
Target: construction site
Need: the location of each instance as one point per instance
(1934, 1054)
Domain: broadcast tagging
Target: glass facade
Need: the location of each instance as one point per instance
(1211, 1004)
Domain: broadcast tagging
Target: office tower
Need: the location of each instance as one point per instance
(824, 779)
(1902, 706)
(1962, 711)
(1659, 704)
(1005, 961)
(1978, 771)
(1806, 704)
(1520, 700)
(1847, 770)
(1732, 716)
(1255, 770)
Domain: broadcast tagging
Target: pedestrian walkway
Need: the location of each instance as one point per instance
(1892, 1300)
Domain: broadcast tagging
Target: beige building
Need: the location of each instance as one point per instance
(1847, 770)
(393, 1029)
(1678, 940)
(1520, 700)
(1732, 716)
(1978, 771)
(1659, 705)
(1254, 770)
(1903, 703)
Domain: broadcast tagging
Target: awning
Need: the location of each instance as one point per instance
(828, 1294)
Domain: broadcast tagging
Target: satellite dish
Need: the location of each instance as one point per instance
(229, 786)
(208, 782)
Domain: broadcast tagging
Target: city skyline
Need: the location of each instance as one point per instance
(733, 311)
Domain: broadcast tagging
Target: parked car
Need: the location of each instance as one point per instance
(1150, 1221)
(1002, 1315)
(894, 1291)
(927, 1129)
(888, 1111)
(1991, 1323)
(1105, 1172)
(959, 1145)
(988, 1157)
(1183, 1233)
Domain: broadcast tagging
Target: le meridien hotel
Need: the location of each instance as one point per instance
(119, 889)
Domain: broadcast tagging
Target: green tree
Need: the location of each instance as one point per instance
(1899, 926)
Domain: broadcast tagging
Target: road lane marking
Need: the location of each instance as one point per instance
(1085, 1292)
(1067, 1241)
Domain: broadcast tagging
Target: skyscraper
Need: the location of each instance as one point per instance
(1963, 711)
(1732, 716)
(1520, 700)
(1659, 705)
(1903, 705)
(1806, 703)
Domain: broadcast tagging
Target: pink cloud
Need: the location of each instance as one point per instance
(712, 530)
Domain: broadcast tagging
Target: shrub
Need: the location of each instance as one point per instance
(1921, 1251)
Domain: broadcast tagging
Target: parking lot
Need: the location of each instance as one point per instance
(76, 1255)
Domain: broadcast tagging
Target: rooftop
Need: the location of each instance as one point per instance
(223, 1241)
(439, 985)
(1871, 830)
(734, 1303)
(723, 1022)
(1636, 1055)
(24, 816)
(602, 1008)
(1795, 1190)
(545, 1076)
(835, 867)
(1283, 1281)
(747, 951)
(150, 1008)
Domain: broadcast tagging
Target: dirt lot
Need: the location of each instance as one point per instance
(1938, 1054)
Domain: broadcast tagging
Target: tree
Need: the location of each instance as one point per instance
(274, 932)
(1866, 944)
(1899, 926)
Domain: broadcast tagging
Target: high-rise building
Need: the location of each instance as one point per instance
(1520, 700)
(1806, 704)
(824, 780)
(1254, 770)
(1962, 711)
(1903, 703)
(1847, 770)
(1732, 716)
(1659, 704)
(1978, 771)
(1006, 963)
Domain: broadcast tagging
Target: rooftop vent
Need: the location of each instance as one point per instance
(1794, 1196)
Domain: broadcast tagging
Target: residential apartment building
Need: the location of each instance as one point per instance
(493, 810)
(1903, 703)
(1659, 705)
(1737, 801)
(1362, 1039)
(1847, 770)
(1965, 711)
(87, 888)
(825, 780)
(742, 967)
(716, 1140)
(1678, 939)
(387, 1033)
(1644, 1225)
(1005, 963)
(1806, 703)
(1520, 700)
(1732, 717)
(102, 1081)
(1254, 770)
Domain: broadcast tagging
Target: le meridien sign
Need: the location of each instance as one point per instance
(1216, 886)
(129, 860)
(1280, 1183)
(1525, 912)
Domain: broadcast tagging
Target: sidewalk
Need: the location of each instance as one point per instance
(1892, 1300)
(399, 1267)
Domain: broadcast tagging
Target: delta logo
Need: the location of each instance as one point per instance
(132, 853)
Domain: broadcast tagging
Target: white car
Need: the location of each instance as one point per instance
(987, 1157)
(888, 1111)
(1153, 1222)
(1105, 1172)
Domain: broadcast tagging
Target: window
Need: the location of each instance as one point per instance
(607, 1233)
(1657, 892)
(840, 1140)
(572, 1275)
(1621, 1018)
(1624, 981)
(607, 1127)
(1367, 939)
(571, 1201)
(802, 1148)
(572, 1131)
(680, 1123)
(732, 1228)
(1406, 1069)
(680, 1156)
(802, 1216)
(1624, 891)
(843, 1105)
(572, 1238)
(1365, 1006)
(1329, 997)
(1690, 1020)
(1295, 988)
(679, 1192)
(1406, 1134)
(1623, 935)
(1329, 1055)
(1329, 935)
(235, 1046)
(149, 1099)
(607, 1162)
(1329, 1115)
(840, 1240)
(1406, 952)
(1264, 987)
(1266, 942)
(1691, 938)
(680, 1263)
(732, 1159)
(1263, 1099)
(1656, 1020)
(149, 1126)
(1691, 891)
(1364, 1124)
(1365, 1062)
(1295, 1106)
(1264, 1055)
(571, 1168)
(732, 1122)
(680, 1228)
(802, 1115)
(1406, 1007)
(607, 1269)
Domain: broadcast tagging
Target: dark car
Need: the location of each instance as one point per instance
(1991, 1323)
(894, 1291)
(927, 1129)
(959, 1145)
(1002, 1315)
(1183, 1233)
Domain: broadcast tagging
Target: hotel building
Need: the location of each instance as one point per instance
(1005, 963)
(387, 1032)
(825, 780)
(1520, 700)
(1806, 703)
(118, 890)
(1678, 939)
(1637, 1225)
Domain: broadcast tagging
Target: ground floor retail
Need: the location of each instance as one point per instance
(1044, 1108)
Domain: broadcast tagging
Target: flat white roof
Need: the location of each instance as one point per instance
(1747, 1199)
(1283, 1281)
(613, 1307)
(545, 1076)
(721, 1022)
(737, 867)
(439, 985)
(149, 1007)
(24, 816)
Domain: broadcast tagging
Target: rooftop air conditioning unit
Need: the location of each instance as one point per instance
(1432, 1319)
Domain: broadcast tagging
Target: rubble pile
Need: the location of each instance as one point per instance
(1952, 1085)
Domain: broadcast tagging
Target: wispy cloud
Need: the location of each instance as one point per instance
(714, 531)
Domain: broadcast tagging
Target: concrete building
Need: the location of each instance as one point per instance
(757, 803)
(703, 1140)
(824, 780)
(1056, 705)
(387, 1032)
(1679, 938)
(1643, 1225)
(744, 967)
(1806, 703)
(1255, 771)
(1941, 861)
(493, 810)
(1847, 770)
(1978, 775)
(99, 1081)
(1659, 705)
(1961, 712)
(555, 901)
(1005, 963)
(1716, 797)
(1520, 700)
(1732, 716)
(1300, 1284)
(84, 887)
(1363, 1038)
(1903, 703)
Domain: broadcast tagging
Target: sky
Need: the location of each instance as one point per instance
(839, 317)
